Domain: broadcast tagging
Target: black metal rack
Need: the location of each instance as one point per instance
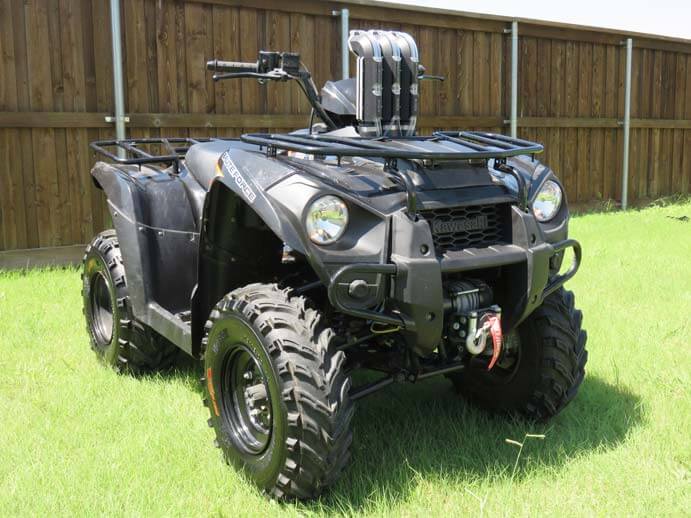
(441, 145)
(175, 149)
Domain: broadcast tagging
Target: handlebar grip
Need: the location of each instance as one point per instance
(231, 66)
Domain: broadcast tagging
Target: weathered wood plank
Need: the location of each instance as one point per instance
(597, 108)
(448, 90)
(12, 202)
(613, 142)
(496, 56)
(103, 71)
(302, 41)
(134, 49)
(46, 191)
(279, 95)
(151, 46)
(528, 77)
(571, 61)
(583, 165)
(8, 58)
(481, 85)
(226, 38)
(70, 175)
(569, 173)
(557, 80)
(253, 95)
(199, 49)
(685, 182)
(167, 61)
(542, 85)
(427, 39)
(24, 103)
(464, 67)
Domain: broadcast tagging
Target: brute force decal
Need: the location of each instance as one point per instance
(235, 174)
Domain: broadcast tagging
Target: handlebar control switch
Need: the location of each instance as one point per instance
(288, 62)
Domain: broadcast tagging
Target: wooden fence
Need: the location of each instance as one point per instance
(56, 89)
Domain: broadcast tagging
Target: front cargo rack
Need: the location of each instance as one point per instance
(441, 145)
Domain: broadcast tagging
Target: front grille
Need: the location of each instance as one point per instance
(480, 226)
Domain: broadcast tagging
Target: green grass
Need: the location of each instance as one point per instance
(78, 439)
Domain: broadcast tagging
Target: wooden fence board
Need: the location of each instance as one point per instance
(56, 89)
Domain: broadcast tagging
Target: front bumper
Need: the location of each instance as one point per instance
(416, 293)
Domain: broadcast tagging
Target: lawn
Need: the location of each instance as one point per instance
(79, 439)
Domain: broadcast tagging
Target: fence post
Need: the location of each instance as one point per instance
(514, 78)
(118, 90)
(627, 126)
(345, 29)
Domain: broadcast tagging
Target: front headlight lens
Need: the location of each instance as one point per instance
(326, 220)
(547, 201)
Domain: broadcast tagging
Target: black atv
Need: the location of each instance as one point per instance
(285, 262)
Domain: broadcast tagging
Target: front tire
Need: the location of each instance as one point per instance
(277, 392)
(547, 371)
(118, 339)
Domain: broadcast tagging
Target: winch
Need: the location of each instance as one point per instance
(472, 320)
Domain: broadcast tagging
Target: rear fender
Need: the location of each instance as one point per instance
(155, 225)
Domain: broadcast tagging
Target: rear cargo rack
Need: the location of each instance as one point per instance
(441, 145)
(174, 150)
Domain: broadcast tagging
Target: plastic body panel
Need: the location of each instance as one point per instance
(189, 238)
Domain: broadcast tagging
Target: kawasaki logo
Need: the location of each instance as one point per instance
(460, 225)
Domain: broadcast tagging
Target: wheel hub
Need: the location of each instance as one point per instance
(101, 310)
(256, 401)
(246, 405)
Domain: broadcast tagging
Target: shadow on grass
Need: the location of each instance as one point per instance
(408, 434)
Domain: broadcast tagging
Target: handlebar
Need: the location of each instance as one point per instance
(231, 66)
(273, 66)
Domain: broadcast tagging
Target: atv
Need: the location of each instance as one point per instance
(284, 263)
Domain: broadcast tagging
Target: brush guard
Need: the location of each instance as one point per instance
(390, 270)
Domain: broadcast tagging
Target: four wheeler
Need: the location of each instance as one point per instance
(285, 262)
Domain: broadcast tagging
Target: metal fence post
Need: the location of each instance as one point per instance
(118, 89)
(345, 30)
(514, 78)
(627, 126)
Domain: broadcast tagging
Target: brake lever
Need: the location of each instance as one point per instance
(431, 77)
(274, 75)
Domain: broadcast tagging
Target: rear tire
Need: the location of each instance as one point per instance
(292, 433)
(117, 338)
(549, 368)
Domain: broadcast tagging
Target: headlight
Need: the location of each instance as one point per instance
(326, 220)
(547, 201)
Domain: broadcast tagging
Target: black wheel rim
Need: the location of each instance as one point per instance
(247, 410)
(101, 310)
